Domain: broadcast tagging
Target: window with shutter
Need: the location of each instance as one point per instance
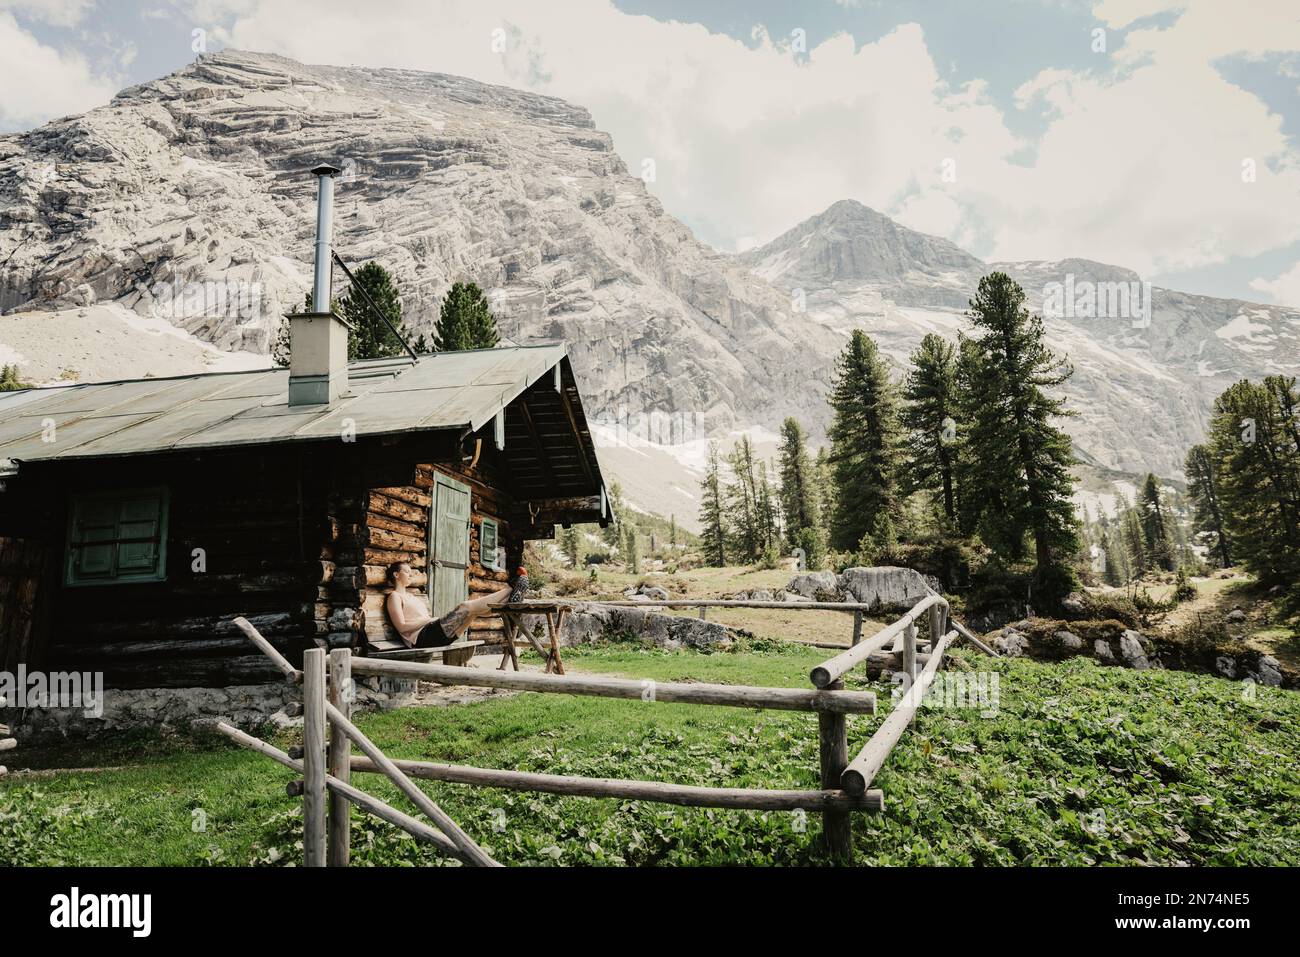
(487, 544)
(117, 536)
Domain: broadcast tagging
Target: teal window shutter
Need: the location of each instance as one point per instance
(487, 544)
(117, 537)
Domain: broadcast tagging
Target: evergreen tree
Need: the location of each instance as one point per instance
(371, 337)
(929, 418)
(864, 436)
(569, 543)
(800, 508)
(1203, 487)
(465, 321)
(1155, 530)
(9, 381)
(713, 538)
(672, 532)
(631, 550)
(825, 486)
(1011, 410)
(613, 532)
(769, 521)
(1254, 447)
(1134, 542)
(744, 508)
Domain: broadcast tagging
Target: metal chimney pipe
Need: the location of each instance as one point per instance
(320, 294)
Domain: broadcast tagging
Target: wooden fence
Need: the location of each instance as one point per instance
(326, 762)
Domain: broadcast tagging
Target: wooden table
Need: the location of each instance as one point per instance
(512, 617)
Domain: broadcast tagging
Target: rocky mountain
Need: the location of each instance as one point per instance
(188, 198)
(185, 205)
(1148, 361)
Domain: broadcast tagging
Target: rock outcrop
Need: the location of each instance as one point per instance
(189, 197)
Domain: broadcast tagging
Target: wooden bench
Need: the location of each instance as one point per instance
(457, 653)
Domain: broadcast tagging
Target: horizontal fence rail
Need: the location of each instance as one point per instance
(857, 777)
(327, 770)
(846, 661)
(664, 692)
(659, 792)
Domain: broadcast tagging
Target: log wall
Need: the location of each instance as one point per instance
(393, 526)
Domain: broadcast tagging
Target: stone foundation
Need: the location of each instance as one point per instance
(159, 709)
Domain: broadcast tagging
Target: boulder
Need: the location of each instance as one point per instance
(1101, 649)
(1011, 643)
(1236, 616)
(1268, 672)
(890, 587)
(1130, 649)
(1069, 640)
(1226, 666)
(603, 622)
(1074, 606)
(809, 584)
(654, 592)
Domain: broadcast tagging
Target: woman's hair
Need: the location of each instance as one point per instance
(391, 574)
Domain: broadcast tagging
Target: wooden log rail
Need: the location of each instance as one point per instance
(835, 668)
(660, 792)
(859, 774)
(664, 692)
(326, 693)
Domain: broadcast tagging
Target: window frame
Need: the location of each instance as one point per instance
(76, 503)
(496, 543)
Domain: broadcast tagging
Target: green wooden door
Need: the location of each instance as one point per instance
(448, 545)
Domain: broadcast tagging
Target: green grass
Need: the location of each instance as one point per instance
(1080, 765)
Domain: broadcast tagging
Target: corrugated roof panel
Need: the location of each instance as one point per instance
(218, 409)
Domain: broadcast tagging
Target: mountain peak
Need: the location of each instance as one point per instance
(850, 241)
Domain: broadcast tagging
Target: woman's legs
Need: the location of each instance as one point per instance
(457, 620)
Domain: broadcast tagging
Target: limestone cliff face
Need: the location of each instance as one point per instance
(1142, 391)
(189, 199)
(195, 187)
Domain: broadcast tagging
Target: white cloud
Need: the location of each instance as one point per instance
(38, 82)
(59, 13)
(1139, 164)
(1283, 289)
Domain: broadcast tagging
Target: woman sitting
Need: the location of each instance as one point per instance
(409, 613)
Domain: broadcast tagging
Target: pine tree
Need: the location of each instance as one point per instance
(672, 532)
(371, 337)
(465, 321)
(1203, 487)
(613, 532)
(1012, 411)
(744, 506)
(1134, 542)
(631, 550)
(799, 495)
(1155, 530)
(864, 436)
(9, 380)
(928, 416)
(713, 538)
(825, 485)
(569, 542)
(1254, 447)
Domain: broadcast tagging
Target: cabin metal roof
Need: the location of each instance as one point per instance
(450, 390)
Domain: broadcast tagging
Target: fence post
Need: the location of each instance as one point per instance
(313, 757)
(833, 736)
(340, 758)
(909, 651)
(857, 625)
(938, 626)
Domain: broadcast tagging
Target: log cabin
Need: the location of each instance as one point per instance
(139, 518)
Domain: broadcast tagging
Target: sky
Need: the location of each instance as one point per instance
(1159, 135)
